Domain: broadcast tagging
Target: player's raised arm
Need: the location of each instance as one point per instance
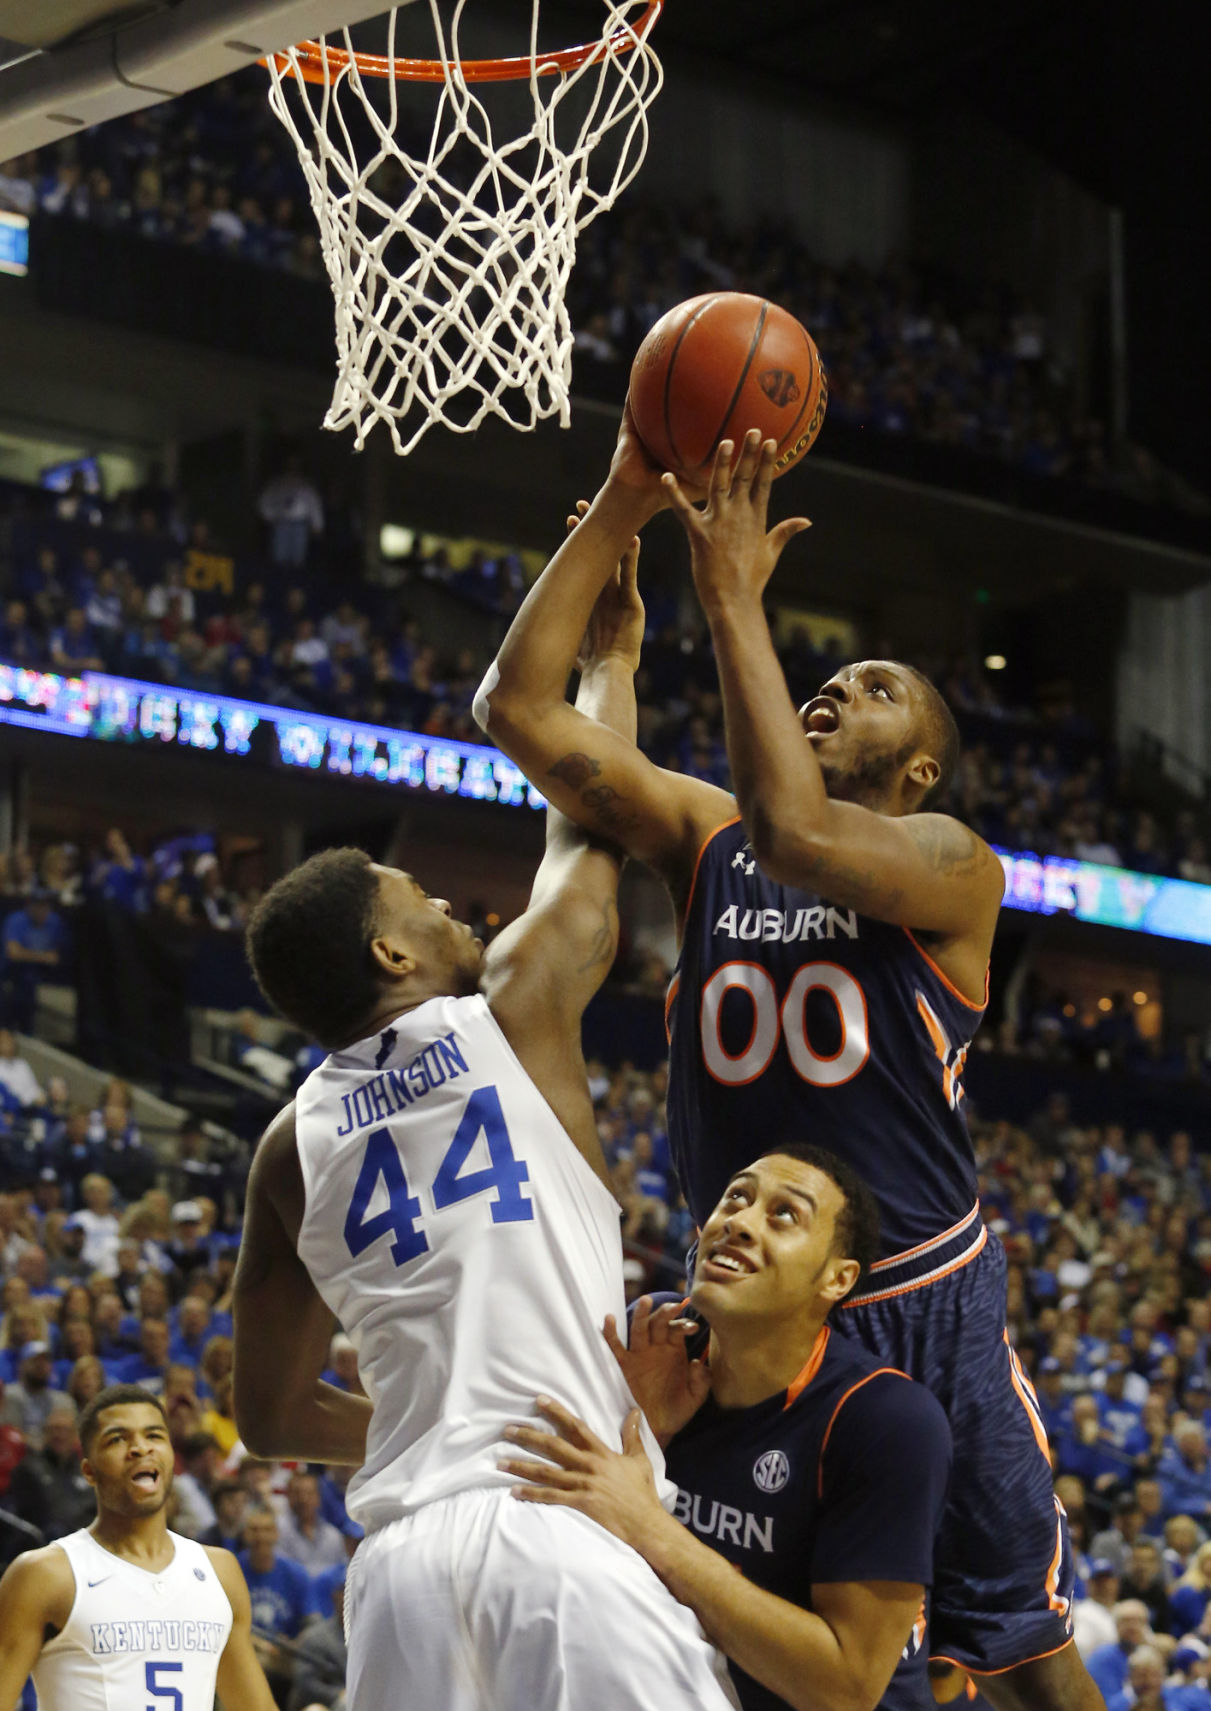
(593, 774)
(283, 1329)
(860, 842)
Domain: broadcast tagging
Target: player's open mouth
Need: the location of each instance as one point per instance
(147, 1479)
(821, 717)
(729, 1261)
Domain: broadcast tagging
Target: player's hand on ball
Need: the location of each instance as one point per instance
(616, 625)
(731, 551)
(668, 1386)
(578, 1471)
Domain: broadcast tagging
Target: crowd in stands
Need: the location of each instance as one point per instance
(908, 350)
(105, 1276)
(137, 587)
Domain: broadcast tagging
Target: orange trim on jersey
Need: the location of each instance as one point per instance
(710, 837)
(803, 1378)
(1051, 1584)
(933, 1242)
(669, 998)
(878, 1373)
(922, 1282)
(1037, 1658)
(945, 979)
(1020, 1383)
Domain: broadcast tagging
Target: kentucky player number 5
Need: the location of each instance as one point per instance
(168, 1695)
(382, 1162)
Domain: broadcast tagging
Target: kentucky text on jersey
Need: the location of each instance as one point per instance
(381, 1097)
(158, 1636)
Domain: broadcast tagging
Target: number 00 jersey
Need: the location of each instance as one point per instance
(134, 1638)
(790, 1018)
(463, 1243)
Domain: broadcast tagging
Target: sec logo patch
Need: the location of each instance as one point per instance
(771, 1471)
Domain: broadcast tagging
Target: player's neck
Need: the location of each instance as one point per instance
(751, 1363)
(143, 1541)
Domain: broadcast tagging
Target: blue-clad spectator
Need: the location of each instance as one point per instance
(1108, 1665)
(1184, 1473)
(280, 1591)
(1121, 1418)
(74, 646)
(120, 876)
(1188, 1599)
(1084, 1451)
(1145, 1688)
(323, 1585)
(19, 643)
(194, 1331)
(34, 947)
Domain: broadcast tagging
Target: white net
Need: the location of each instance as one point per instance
(450, 253)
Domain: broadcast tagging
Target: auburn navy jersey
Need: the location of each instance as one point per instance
(790, 1018)
(841, 1477)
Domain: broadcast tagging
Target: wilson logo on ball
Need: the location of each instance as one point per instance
(779, 386)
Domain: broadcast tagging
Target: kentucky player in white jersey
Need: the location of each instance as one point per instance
(126, 1613)
(438, 1186)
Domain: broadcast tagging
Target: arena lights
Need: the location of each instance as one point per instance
(1107, 896)
(124, 710)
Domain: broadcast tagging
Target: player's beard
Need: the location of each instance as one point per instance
(869, 781)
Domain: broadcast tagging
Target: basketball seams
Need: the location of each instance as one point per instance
(754, 346)
(669, 367)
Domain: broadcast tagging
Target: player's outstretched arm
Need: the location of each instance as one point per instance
(924, 871)
(593, 774)
(36, 1593)
(241, 1680)
(283, 1328)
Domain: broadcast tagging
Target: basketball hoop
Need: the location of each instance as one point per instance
(450, 266)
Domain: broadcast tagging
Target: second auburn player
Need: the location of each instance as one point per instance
(835, 936)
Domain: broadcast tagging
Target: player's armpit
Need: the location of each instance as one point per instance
(283, 1327)
(36, 1593)
(873, 1623)
(922, 871)
(241, 1680)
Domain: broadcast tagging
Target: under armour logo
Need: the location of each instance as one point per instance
(779, 386)
(743, 860)
(386, 1048)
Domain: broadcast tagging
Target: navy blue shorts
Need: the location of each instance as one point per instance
(1003, 1564)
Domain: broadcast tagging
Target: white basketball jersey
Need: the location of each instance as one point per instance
(465, 1246)
(135, 1639)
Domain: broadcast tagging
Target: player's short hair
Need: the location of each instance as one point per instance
(309, 944)
(857, 1232)
(113, 1396)
(940, 735)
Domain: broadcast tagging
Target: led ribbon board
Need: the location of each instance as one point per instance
(1107, 896)
(124, 710)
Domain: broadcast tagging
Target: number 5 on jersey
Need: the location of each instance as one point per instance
(381, 1162)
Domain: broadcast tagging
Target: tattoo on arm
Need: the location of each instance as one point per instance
(606, 803)
(605, 940)
(575, 769)
(949, 847)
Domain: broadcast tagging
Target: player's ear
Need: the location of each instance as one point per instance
(393, 960)
(840, 1279)
(924, 772)
(86, 1468)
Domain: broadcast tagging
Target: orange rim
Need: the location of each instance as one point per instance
(318, 63)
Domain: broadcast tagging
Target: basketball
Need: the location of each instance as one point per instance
(718, 365)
